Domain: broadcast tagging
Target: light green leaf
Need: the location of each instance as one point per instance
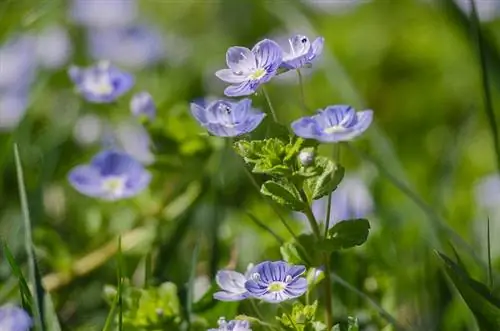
(283, 193)
(351, 325)
(330, 176)
(290, 253)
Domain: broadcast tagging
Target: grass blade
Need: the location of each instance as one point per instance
(109, 320)
(120, 285)
(190, 291)
(490, 270)
(26, 297)
(488, 104)
(28, 243)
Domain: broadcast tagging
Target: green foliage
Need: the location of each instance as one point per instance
(329, 177)
(284, 193)
(481, 302)
(302, 318)
(351, 325)
(348, 233)
(150, 308)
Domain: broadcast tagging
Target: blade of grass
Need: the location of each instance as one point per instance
(266, 228)
(109, 320)
(50, 314)
(28, 243)
(490, 270)
(25, 292)
(190, 290)
(148, 267)
(120, 284)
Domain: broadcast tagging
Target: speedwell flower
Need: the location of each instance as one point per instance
(228, 119)
(101, 83)
(234, 325)
(276, 281)
(334, 124)
(142, 104)
(302, 51)
(248, 69)
(232, 284)
(14, 319)
(111, 175)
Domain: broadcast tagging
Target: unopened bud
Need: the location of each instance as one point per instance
(306, 157)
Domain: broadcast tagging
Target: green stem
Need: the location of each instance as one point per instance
(336, 159)
(273, 113)
(291, 320)
(302, 94)
(326, 261)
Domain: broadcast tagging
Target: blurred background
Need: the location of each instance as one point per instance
(414, 62)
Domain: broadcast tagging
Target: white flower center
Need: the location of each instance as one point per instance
(114, 186)
(334, 129)
(276, 287)
(100, 85)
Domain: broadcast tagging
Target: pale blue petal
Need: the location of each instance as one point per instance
(268, 55)
(86, 180)
(306, 127)
(199, 113)
(296, 270)
(317, 47)
(229, 76)
(231, 281)
(243, 89)
(240, 59)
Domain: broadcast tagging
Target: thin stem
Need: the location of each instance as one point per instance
(326, 261)
(336, 159)
(273, 113)
(490, 271)
(302, 94)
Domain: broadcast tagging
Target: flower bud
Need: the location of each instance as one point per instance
(142, 104)
(306, 157)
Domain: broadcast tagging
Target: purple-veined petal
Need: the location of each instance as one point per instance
(199, 113)
(317, 47)
(240, 59)
(112, 163)
(255, 288)
(231, 281)
(228, 296)
(335, 116)
(296, 271)
(268, 55)
(229, 76)
(136, 182)
(306, 127)
(221, 130)
(297, 287)
(251, 123)
(243, 89)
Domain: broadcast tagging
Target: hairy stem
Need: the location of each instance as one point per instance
(302, 94)
(271, 108)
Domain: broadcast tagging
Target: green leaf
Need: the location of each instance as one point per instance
(51, 315)
(38, 311)
(351, 325)
(484, 306)
(283, 193)
(302, 318)
(348, 233)
(330, 176)
(26, 297)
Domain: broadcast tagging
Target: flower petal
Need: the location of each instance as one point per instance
(199, 113)
(296, 270)
(306, 127)
(255, 289)
(231, 281)
(86, 180)
(229, 76)
(240, 59)
(268, 55)
(317, 47)
(228, 296)
(245, 88)
(296, 288)
(111, 163)
(251, 123)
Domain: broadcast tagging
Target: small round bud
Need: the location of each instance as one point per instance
(306, 157)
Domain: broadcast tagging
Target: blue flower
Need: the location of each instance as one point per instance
(13, 106)
(111, 175)
(101, 83)
(142, 104)
(134, 46)
(228, 119)
(14, 319)
(232, 284)
(18, 63)
(104, 14)
(276, 281)
(248, 69)
(334, 124)
(302, 51)
(53, 47)
(234, 325)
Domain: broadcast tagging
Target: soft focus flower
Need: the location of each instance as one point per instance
(334, 124)
(88, 129)
(232, 284)
(101, 83)
(13, 106)
(14, 319)
(142, 104)
(486, 10)
(248, 69)
(104, 14)
(487, 192)
(111, 175)
(234, 325)
(53, 47)
(350, 200)
(276, 281)
(302, 51)
(134, 139)
(228, 119)
(133, 46)
(17, 63)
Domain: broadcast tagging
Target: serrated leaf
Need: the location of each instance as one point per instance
(351, 325)
(484, 306)
(330, 176)
(283, 193)
(348, 233)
